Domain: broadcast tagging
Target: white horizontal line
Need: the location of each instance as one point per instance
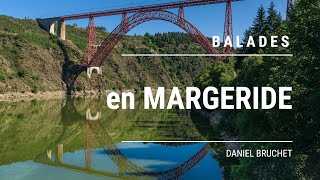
(207, 141)
(207, 55)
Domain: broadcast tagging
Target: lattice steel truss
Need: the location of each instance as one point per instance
(145, 8)
(88, 144)
(228, 29)
(91, 40)
(114, 37)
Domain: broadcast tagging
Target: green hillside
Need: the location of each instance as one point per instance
(32, 60)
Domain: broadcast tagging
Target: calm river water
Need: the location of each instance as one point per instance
(80, 138)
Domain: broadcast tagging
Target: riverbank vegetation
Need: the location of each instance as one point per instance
(301, 72)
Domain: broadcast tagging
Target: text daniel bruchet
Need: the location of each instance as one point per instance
(224, 98)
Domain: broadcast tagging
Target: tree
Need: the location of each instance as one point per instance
(258, 28)
(305, 28)
(301, 72)
(218, 75)
(273, 19)
(101, 28)
(260, 23)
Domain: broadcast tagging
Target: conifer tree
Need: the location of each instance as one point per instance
(258, 28)
(260, 23)
(273, 19)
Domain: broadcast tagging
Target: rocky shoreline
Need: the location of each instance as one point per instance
(15, 96)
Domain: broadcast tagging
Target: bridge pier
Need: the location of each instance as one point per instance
(124, 20)
(52, 28)
(62, 29)
(49, 154)
(48, 24)
(91, 70)
(91, 40)
(60, 153)
(181, 15)
(88, 143)
(228, 28)
(90, 117)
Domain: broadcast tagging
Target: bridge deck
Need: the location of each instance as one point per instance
(155, 7)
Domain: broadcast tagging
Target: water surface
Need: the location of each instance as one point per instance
(80, 138)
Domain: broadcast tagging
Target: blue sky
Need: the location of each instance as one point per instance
(208, 19)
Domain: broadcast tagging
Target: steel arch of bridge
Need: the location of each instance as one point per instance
(131, 169)
(126, 25)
